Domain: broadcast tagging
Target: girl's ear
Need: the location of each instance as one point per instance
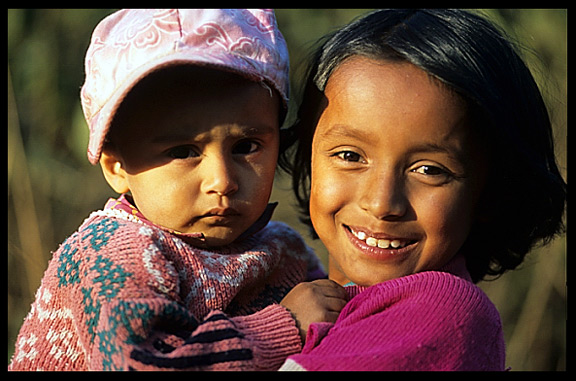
(113, 171)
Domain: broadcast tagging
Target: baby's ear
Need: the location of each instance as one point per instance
(115, 175)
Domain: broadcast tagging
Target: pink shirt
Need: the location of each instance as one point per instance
(432, 320)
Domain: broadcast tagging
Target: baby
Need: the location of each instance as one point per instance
(184, 270)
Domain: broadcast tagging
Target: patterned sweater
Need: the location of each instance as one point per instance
(122, 293)
(427, 321)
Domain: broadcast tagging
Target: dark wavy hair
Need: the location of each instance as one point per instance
(525, 190)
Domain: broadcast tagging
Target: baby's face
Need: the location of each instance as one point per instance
(200, 155)
(396, 172)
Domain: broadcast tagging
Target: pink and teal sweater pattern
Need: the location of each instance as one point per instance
(123, 294)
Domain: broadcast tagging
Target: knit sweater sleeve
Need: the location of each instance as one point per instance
(425, 321)
(115, 299)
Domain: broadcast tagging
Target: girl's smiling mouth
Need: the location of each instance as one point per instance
(378, 244)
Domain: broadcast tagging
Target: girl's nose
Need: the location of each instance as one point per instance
(219, 176)
(384, 197)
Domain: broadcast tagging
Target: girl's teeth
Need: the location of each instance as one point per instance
(381, 243)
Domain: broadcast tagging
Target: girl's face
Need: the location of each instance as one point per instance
(201, 156)
(396, 172)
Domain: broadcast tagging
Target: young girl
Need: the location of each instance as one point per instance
(425, 162)
(185, 271)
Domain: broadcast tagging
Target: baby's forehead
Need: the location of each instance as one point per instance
(159, 111)
(186, 80)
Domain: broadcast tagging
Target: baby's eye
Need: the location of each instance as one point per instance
(245, 147)
(350, 156)
(183, 152)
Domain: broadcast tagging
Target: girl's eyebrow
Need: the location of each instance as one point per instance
(345, 131)
(432, 147)
(341, 130)
(452, 152)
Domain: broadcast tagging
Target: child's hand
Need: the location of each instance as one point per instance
(317, 301)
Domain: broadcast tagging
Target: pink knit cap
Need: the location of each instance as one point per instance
(130, 44)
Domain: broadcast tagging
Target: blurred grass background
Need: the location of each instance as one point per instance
(52, 187)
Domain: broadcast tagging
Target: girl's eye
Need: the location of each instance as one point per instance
(183, 152)
(433, 174)
(430, 170)
(350, 156)
(245, 147)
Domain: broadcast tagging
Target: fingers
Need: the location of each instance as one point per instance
(330, 316)
(334, 304)
(317, 301)
(330, 295)
(331, 289)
